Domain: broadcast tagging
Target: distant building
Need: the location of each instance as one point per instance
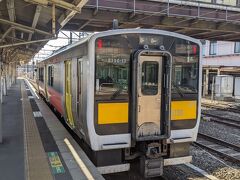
(27, 70)
(219, 58)
(225, 2)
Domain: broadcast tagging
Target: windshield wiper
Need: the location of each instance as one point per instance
(178, 90)
(116, 93)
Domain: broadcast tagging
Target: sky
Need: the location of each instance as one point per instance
(62, 40)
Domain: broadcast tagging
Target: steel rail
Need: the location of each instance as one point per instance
(219, 141)
(214, 150)
(235, 110)
(223, 120)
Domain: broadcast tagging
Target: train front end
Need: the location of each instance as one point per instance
(146, 99)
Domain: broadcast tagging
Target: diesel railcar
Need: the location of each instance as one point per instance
(130, 94)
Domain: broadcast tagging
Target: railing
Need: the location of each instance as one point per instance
(202, 9)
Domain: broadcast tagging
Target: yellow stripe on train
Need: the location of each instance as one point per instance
(112, 113)
(183, 110)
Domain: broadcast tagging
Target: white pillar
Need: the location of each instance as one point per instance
(206, 81)
(15, 73)
(1, 119)
(7, 76)
(10, 75)
(4, 81)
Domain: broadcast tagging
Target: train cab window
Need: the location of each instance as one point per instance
(112, 77)
(50, 75)
(185, 78)
(150, 78)
(41, 74)
(185, 68)
(112, 68)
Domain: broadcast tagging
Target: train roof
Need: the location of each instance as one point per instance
(121, 31)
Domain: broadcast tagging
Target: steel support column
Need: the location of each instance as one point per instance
(1, 119)
(4, 80)
(7, 84)
(15, 73)
(206, 81)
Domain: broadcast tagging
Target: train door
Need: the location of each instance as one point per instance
(68, 93)
(45, 82)
(149, 95)
(79, 92)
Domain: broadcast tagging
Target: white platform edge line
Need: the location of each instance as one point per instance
(32, 89)
(38, 102)
(204, 173)
(79, 161)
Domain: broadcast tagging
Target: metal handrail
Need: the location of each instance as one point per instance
(131, 6)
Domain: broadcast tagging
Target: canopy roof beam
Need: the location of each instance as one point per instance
(5, 34)
(68, 15)
(12, 29)
(4, 21)
(24, 43)
(35, 20)
(59, 3)
(11, 13)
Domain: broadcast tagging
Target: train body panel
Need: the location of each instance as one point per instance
(55, 98)
(97, 83)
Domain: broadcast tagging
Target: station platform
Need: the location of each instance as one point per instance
(36, 145)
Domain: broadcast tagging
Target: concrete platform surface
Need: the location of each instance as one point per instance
(12, 148)
(35, 144)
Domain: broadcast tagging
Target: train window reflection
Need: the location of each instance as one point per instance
(150, 78)
(185, 78)
(112, 76)
(41, 74)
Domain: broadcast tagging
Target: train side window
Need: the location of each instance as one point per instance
(41, 74)
(50, 75)
(150, 78)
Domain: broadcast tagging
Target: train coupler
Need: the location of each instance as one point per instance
(151, 167)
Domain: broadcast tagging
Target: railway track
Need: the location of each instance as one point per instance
(225, 149)
(231, 109)
(223, 120)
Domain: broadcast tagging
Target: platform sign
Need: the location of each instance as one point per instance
(55, 162)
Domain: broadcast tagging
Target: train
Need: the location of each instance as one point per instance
(131, 95)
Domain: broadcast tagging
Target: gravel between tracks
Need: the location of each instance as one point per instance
(221, 131)
(213, 165)
(181, 172)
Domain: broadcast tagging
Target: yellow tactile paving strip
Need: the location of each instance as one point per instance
(36, 162)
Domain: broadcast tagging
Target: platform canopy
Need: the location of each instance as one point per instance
(27, 25)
